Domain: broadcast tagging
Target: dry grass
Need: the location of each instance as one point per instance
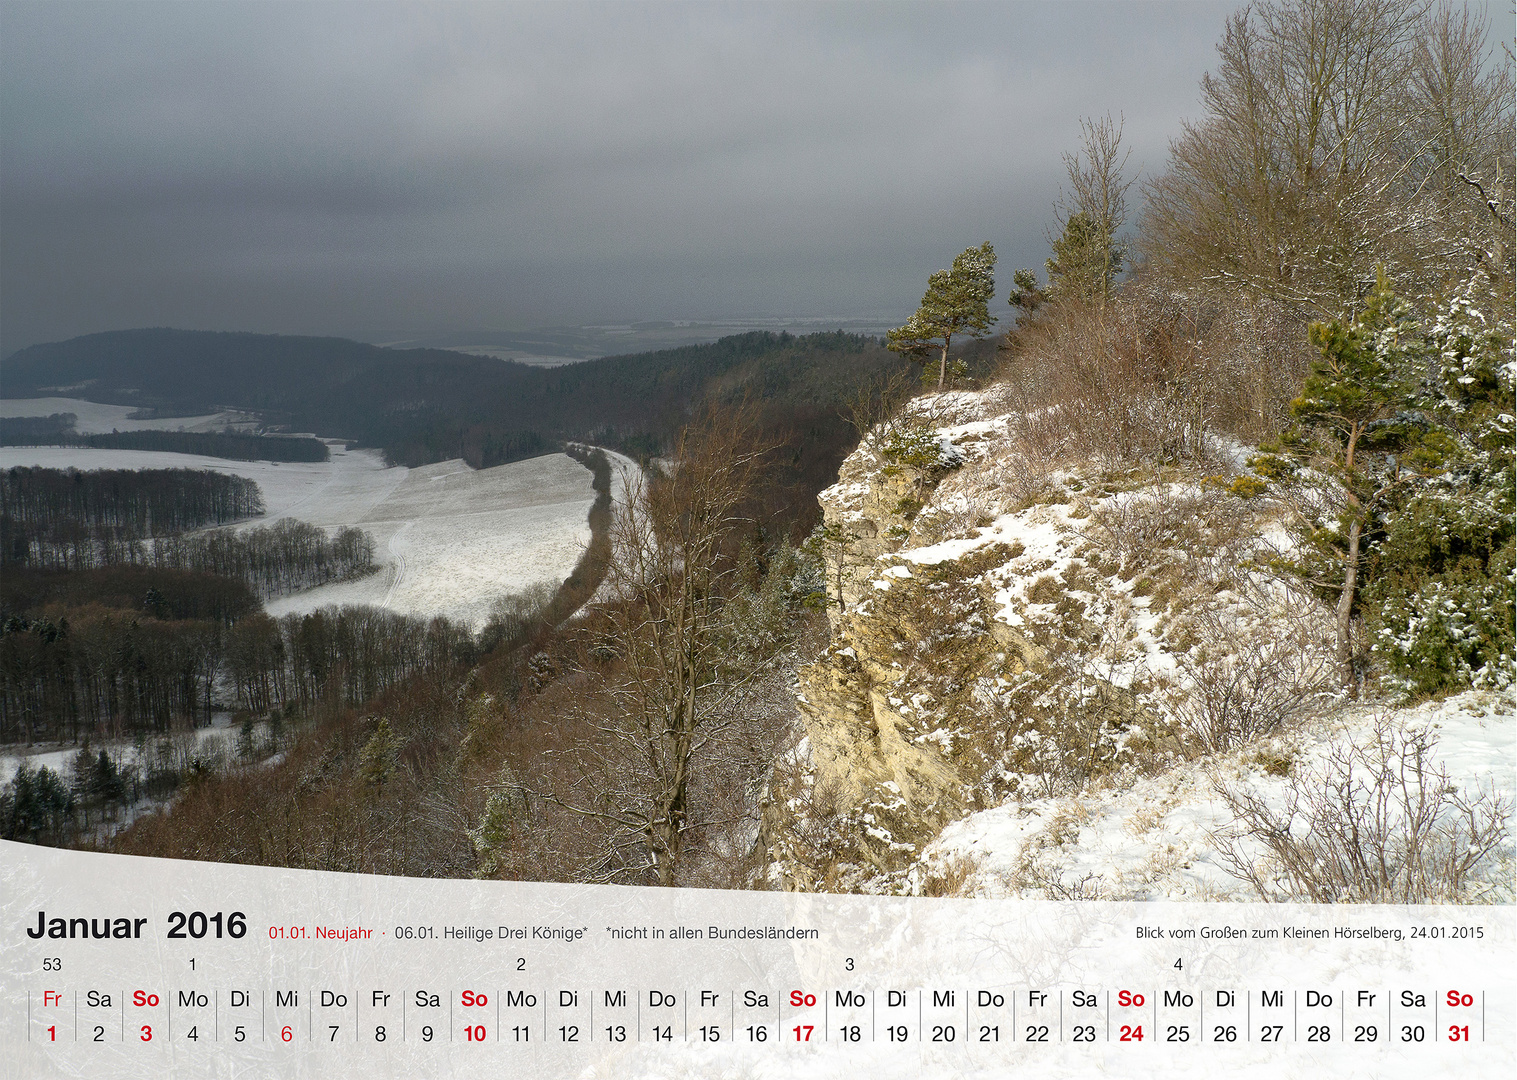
(954, 876)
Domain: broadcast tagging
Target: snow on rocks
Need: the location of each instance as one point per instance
(989, 611)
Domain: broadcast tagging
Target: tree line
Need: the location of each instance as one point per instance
(37, 430)
(274, 559)
(148, 502)
(51, 519)
(44, 431)
(150, 590)
(75, 520)
(66, 676)
(426, 405)
(93, 669)
(356, 652)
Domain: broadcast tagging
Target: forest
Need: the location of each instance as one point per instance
(73, 520)
(55, 519)
(285, 557)
(118, 610)
(44, 431)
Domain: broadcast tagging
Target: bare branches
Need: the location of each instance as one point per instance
(665, 710)
(1087, 254)
(1246, 679)
(1378, 823)
(879, 401)
(1335, 134)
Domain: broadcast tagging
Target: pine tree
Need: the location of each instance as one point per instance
(1026, 293)
(1086, 260)
(1356, 403)
(380, 756)
(106, 784)
(1439, 602)
(956, 302)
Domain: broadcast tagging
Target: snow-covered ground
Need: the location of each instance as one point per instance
(449, 539)
(320, 492)
(453, 539)
(218, 739)
(1125, 589)
(95, 418)
(1158, 839)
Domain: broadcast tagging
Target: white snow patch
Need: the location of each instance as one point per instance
(94, 418)
(449, 539)
(1155, 838)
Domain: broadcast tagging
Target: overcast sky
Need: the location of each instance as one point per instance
(387, 170)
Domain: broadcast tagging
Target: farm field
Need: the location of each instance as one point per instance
(95, 418)
(448, 539)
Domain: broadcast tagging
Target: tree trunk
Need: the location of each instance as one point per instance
(1346, 607)
(943, 366)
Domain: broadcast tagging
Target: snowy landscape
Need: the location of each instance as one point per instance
(96, 418)
(575, 650)
(1087, 686)
(1170, 560)
(1161, 837)
(450, 540)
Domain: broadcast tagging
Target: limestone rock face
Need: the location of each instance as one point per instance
(863, 517)
(855, 735)
(1007, 630)
(870, 735)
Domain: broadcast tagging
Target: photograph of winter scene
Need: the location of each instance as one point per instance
(1031, 451)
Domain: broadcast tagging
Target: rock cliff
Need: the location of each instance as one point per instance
(1005, 631)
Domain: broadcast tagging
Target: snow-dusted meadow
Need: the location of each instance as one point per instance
(449, 539)
(95, 418)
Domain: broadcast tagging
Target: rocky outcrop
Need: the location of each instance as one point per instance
(906, 641)
(1002, 636)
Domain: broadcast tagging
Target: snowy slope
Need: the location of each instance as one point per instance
(95, 418)
(1158, 839)
(453, 539)
(1054, 679)
(449, 539)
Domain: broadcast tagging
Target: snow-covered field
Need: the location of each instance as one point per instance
(449, 539)
(453, 539)
(218, 739)
(96, 419)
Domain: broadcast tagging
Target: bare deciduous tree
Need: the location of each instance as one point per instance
(675, 658)
(1335, 135)
(1088, 256)
(1459, 139)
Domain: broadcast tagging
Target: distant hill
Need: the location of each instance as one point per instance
(183, 371)
(425, 405)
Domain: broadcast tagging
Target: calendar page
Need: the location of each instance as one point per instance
(737, 540)
(125, 967)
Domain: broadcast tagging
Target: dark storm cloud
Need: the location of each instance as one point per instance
(379, 169)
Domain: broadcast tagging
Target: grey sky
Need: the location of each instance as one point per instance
(383, 170)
